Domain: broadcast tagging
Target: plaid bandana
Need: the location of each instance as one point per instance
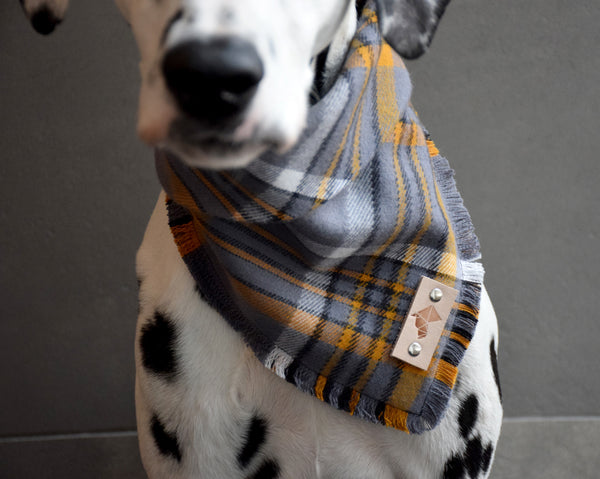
(314, 256)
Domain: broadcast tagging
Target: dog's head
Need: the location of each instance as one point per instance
(224, 80)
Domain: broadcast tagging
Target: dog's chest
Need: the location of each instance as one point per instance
(208, 408)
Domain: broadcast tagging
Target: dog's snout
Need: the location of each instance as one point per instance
(213, 80)
(44, 20)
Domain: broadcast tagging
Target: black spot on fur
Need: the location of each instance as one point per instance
(486, 459)
(468, 415)
(166, 443)
(44, 21)
(268, 470)
(474, 456)
(157, 344)
(494, 360)
(454, 468)
(255, 438)
(176, 17)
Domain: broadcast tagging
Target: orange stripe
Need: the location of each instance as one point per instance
(285, 314)
(320, 386)
(186, 238)
(289, 278)
(274, 211)
(446, 373)
(181, 194)
(306, 323)
(274, 239)
(354, 398)
(224, 201)
(468, 309)
(460, 339)
(396, 418)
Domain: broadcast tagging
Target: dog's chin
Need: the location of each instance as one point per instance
(216, 154)
(199, 147)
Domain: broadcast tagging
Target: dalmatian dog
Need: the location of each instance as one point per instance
(206, 408)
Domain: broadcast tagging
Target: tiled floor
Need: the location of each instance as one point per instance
(554, 448)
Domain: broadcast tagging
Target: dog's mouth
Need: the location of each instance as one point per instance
(201, 147)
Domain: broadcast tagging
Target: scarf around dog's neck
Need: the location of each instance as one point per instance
(314, 256)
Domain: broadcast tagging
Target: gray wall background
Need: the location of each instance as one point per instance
(509, 91)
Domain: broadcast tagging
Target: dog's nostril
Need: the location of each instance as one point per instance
(213, 80)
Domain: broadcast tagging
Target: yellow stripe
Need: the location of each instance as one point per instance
(449, 261)
(387, 107)
(349, 341)
(356, 145)
(366, 57)
(376, 354)
(369, 278)
(433, 151)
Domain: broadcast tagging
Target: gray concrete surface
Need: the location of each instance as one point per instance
(548, 448)
(510, 94)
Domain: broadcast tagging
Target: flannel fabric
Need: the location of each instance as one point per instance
(314, 255)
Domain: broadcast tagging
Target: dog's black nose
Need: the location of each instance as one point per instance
(213, 80)
(44, 21)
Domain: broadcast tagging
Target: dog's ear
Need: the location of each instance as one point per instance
(123, 6)
(45, 15)
(408, 25)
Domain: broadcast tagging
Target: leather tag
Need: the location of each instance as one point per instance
(425, 323)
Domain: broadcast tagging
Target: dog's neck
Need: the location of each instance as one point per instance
(329, 62)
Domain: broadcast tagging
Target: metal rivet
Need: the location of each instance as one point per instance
(415, 349)
(436, 295)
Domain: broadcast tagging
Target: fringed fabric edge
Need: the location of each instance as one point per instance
(460, 332)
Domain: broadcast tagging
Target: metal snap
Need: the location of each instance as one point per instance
(436, 295)
(415, 349)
